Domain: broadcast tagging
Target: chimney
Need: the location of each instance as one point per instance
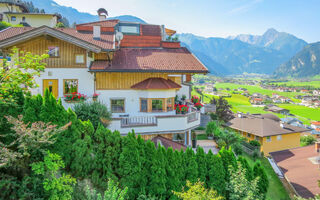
(96, 32)
(103, 13)
(102, 17)
(317, 146)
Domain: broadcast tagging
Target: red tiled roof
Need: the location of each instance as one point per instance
(105, 23)
(13, 31)
(299, 170)
(167, 143)
(151, 60)
(156, 83)
(106, 41)
(150, 30)
(316, 123)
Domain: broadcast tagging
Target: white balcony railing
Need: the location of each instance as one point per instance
(139, 121)
(193, 116)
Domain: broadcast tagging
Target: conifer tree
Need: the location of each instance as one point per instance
(216, 173)
(172, 168)
(191, 166)
(150, 152)
(263, 182)
(81, 164)
(158, 174)
(180, 170)
(107, 152)
(130, 165)
(228, 158)
(32, 108)
(144, 170)
(244, 163)
(202, 164)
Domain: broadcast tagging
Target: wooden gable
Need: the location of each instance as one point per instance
(67, 51)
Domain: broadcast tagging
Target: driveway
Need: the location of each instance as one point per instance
(207, 145)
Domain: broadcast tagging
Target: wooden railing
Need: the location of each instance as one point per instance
(139, 121)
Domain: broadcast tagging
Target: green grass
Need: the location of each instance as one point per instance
(255, 89)
(276, 190)
(305, 113)
(296, 83)
(202, 137)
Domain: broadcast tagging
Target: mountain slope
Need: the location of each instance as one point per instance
(286, 43)
(235, 56)
(305, 63)
(73, 15)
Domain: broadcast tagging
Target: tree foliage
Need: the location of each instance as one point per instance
(20, 71)
(197, 191)
(223, 110)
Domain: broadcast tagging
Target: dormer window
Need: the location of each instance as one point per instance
(133, 29)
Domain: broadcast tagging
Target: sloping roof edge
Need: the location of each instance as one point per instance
(45, 30)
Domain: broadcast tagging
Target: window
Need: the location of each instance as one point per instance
(170, 104)
(1, 17)
(70, 86)
(130, 29)
(256, 138)
(79, 58)
(269, 139)
(23, 19)
(117, 105)
(53, 52)
(13, 18)
(249, 135)
(157, 105)
(143, 105)
(279, 137)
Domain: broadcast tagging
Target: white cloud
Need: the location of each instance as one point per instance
(244, 8)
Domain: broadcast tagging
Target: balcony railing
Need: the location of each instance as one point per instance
(139, 121)
(193, 116)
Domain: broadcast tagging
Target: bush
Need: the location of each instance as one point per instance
(307, 140)
(96, 112)
(213, 116)
(255, 143)
(212, 129)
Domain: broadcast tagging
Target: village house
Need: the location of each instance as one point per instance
(15, 12)
(300, 167)
(256, 101)
(268, 130)
(135, 70)
(316, 92)
(276, 109)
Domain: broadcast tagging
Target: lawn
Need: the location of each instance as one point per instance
(296, 83)
(256, 89)
(303, 112)
(276, 190)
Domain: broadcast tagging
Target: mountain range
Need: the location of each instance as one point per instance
(232, 55)
(304, 64)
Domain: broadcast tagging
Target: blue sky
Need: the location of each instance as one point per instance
(217, 18)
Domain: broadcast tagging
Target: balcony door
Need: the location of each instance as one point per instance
(51, 85)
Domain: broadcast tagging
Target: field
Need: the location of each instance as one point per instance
(256, 89)
(241, 103)
(276, 189)
(315, 84)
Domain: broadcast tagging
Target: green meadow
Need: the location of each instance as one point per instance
(241, 103)
(296, 83)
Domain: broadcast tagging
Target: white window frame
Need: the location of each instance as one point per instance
(279, 137)
(268, 138)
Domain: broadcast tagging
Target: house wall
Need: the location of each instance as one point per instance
(67, 52)
(85, 80)
(34, 20)
(122, 80)
(288, 141)
(4, 7)
(132, 100)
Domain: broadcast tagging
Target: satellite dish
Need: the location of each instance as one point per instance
(119, 36)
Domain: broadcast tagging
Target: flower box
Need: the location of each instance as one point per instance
(74, 97)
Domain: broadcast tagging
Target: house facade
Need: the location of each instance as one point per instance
(268, 130)
(15, 12)
(135, 70)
